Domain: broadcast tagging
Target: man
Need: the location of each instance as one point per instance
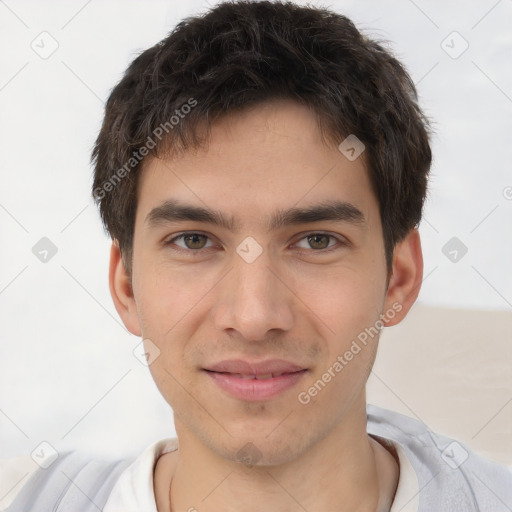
(262, 173)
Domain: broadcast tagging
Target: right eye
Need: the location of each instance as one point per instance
(192, 242)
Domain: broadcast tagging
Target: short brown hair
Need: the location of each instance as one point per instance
(242, 53)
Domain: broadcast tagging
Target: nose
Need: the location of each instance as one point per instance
(254, 300)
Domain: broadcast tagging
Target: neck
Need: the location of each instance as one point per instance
(345, 471)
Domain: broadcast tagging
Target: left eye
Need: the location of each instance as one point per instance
(318, 241)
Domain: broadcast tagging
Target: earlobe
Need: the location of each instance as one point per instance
(405, 282)
(122, 292)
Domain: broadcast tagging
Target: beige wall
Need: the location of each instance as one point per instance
(453, 370)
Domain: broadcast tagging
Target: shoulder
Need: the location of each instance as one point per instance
(450, 474)
(64, 479)
(72, 479)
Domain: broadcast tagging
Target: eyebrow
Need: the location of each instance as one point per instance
(174, 211)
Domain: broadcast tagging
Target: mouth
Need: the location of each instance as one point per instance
(255, 381)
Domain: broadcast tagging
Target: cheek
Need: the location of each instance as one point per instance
(173, 304)
(349, 307)
(348, 303)
(166, 296)
(346, 300)
(161, 303)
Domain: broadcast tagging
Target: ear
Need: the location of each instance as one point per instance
(406, 277)
(122, 292)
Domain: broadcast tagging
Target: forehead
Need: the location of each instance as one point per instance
(256, 162)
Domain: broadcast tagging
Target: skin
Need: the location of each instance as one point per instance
(296, 302)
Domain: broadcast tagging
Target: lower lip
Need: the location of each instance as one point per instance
(255, 389)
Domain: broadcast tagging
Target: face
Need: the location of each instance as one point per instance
(280, 278)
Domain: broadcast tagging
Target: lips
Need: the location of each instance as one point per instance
(255, 381)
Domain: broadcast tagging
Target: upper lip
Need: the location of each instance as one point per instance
(269, 366)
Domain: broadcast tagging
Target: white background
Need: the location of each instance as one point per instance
(67, 372)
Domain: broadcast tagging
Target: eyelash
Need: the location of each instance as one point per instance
(342, 242)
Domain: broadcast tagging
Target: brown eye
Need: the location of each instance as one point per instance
(190, 242)
(321, 243)
(195, 241)
(318, 241)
